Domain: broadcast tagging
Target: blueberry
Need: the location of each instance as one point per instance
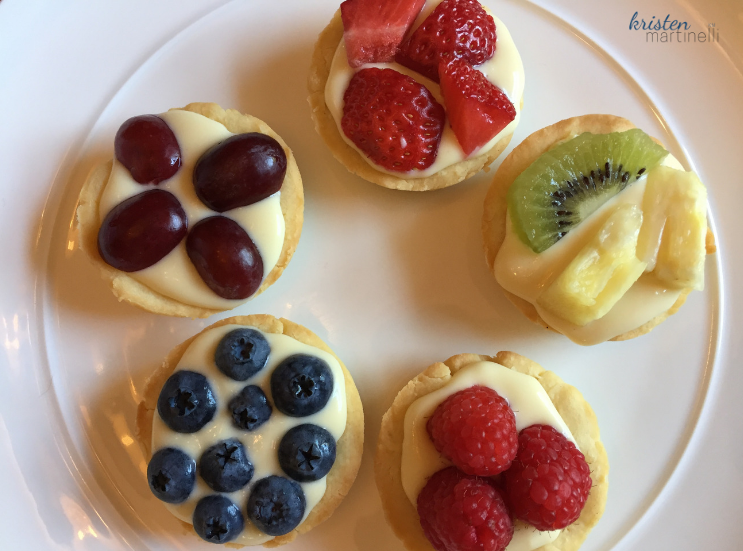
(225, 466)
(249, 408)
(307, 452)
(242, 353)
(301, 385)
(217, 519)
(186, 402)
(276, 505)
(171, 475)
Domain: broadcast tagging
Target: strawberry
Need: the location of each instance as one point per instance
(393, 119)
(477, 109)
(455, 29)
(373, 29)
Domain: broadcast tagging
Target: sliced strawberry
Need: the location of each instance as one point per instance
(455, 29)
(477, 109)
(393, 119)
(373, 29)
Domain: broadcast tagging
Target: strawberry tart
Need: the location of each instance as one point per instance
(482, 453)
(414, 94)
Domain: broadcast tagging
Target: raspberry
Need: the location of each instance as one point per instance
(464, 513)
(476, 430)
(393, 119)
(455, 29)
(549, 481)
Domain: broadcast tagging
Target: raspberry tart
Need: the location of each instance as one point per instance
(200, 210)
(400, 106)
(253, 431)
(482, 453)
(595, 231)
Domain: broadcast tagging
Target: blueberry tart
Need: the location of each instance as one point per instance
(253, 430)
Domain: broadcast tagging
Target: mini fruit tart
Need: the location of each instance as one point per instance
(200, 210)
(482, 453)
(595, 231)
(415, 94)
(253, 431)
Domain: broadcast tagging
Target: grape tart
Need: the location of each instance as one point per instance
(575, 412)
(175, 296)
(453, 165)
(226, 418)
(496, 219)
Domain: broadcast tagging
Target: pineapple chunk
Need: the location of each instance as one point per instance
(601, 273)
(673, 233)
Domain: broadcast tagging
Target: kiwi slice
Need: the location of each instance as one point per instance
(570, 181)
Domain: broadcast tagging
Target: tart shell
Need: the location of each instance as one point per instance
(495, 212)
(568, 401)
(322, 59)
(125, 287)
(349, 447)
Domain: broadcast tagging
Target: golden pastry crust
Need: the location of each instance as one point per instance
(495, 211)
(327, 44)
(568, 401)
(349, 447)
(127, 288)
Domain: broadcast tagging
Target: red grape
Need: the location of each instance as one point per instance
(140, 231)
(148, 149)
(239, 171)
(225, 257)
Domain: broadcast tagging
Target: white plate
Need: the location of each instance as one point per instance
(392, 281)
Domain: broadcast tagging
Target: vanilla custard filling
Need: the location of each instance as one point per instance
(504, 69)
(175, 276)
(524, 273)
(261, 444)
(530, 404)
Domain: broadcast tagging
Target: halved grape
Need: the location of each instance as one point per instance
(225, 257)
(239, 171)
(148, 149)
(140, 231)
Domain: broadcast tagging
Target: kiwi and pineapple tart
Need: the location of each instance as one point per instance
(466, 458)
(253, 431)
(594, 230)
(415, 94)
(200, 209)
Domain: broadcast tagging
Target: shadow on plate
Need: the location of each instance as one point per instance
(118, 465)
